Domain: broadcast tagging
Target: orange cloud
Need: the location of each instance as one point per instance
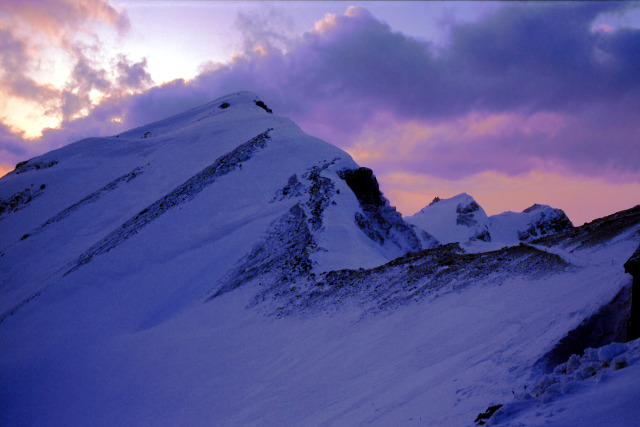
(329, 21)
(56, 17)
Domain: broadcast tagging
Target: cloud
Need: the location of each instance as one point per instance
(133, 75)
(529, 87)
(30, 31)
(264, 31)
(12, 149)
(14, 60)
(56, 17)
(536, 57)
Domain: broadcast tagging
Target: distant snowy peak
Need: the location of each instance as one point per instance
(462, 219)
(458, 219)
(532, 223)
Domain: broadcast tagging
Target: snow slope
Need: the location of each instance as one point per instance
(208, 184)
(203, 275)
(461, 219)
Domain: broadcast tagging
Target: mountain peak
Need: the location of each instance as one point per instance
(536, 207)
(461, 219)
(457, 219)
(231, 177)
(242, 97)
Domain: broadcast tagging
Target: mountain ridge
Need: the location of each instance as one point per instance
(461, 219)
(223, 265)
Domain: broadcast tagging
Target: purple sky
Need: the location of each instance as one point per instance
(514, 103)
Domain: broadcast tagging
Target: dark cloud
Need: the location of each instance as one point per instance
(85, 77)
(12, 149)
(132, 75)
(528, 61)
(10, 142)
(545, 56)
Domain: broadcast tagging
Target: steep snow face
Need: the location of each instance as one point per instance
(461, 219)
(216, 183)
(458, 219)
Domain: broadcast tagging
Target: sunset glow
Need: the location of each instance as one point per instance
(498, 193)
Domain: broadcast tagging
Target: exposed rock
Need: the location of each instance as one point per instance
(321, 192)
(91, 198)
(20, 199)
(632, 266)
(411, 277)
(595, 232)
(263, 106)
(378, 220)
(292, 189)
(184, 193)
(482, 417)
(607, 325)
(364, 185)
(284, 255)
(29, 165)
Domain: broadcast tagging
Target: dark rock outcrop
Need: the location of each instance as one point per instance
(482, 418)
(607, 325)
(29, 165)
(364, 185)
(283, 256)
(466, 216)
(378, 220)
(184, 193)
(20, 199)
(263, 106)
(632, 266)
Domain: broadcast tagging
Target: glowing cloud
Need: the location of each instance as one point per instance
(519, 93)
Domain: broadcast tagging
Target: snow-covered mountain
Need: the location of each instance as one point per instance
(222, 267)
(228, 181)
(458, 219)
(461, 219)
(536, 221)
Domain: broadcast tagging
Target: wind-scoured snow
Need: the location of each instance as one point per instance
(244, 273)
